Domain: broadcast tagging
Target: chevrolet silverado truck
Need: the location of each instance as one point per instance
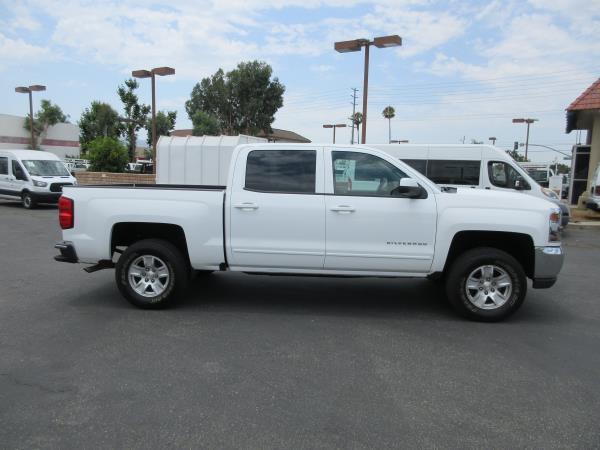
(307, 209)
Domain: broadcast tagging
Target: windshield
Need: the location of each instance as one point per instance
(45, 168)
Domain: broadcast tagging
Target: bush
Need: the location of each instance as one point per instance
(107, 154)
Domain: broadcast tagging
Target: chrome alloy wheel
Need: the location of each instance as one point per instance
(148, 275)
(488, 287)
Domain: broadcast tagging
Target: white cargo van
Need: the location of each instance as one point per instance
(593, 201)
(32, 175)
(472, 165)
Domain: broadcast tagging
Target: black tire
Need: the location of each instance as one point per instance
(176, 266)
(465, 264)
(28, 201)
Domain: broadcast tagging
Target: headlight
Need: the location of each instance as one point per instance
(40, 183)
(550, 193)
(554, 225)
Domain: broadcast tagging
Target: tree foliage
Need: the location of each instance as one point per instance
(205, 124)
(514, 154)
(243, 100)
(47, 116)
(136, 114)
(99, 120)
(107, 154)
(165, 123)
(389, 112)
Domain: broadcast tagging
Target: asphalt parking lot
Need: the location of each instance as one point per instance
(288, 362)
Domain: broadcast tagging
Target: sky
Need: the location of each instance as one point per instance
(464, 70)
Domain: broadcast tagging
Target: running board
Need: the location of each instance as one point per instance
(102, 264)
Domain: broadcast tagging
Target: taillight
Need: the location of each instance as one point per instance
(66, 214)
(598, 190)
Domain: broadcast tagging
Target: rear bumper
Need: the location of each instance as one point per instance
(67, 252)
(548, 262)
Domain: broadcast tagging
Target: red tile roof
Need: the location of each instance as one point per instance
(589, 99)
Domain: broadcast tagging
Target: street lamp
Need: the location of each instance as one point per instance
(161, 71)
(355, 46)
(493, 139)
(402, 141)
(334, 126)
(29, 90)
(528, 122)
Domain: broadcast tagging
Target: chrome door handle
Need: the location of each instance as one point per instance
(343, 209)
(246, 206)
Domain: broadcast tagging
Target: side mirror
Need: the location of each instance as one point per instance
(409, 188)
(519, 184)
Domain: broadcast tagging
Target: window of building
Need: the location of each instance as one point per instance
(454, 172)
(283, 171)
(361, 174)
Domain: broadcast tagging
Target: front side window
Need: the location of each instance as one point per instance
(504, 175)
(454, 172)
(281, 171)
(361, 174)
(45, 168)
(3, 165)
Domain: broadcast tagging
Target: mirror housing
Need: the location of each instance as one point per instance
(409, 188)
(519, 184)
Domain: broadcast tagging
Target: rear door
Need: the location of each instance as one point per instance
(368, 228)
(277, 208)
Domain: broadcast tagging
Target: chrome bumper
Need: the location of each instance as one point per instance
(548, 262)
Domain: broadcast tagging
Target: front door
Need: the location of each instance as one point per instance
(370, 229)
(277, 209)
(18, 179)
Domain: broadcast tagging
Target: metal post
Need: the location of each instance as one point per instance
(353, 111)
(153, 119)
(31, 120)
(389, 130)
(527, 140)
(334, 127)
(365, 89)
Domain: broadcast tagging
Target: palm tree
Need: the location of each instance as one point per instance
(356, 121)
(389, 113)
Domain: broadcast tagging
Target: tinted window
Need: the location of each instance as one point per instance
(417, 164)
(362, 174)
(285, 171)
(504, 175)
(454, 172)
(3, 165)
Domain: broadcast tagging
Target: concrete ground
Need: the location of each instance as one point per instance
(283, 362)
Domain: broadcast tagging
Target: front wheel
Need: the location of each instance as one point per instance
(28, 202)
(151, 273)
(486, 284)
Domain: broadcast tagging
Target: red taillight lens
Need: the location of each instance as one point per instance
(66, 216)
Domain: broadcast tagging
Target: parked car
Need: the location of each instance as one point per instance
(34, 176)
(313, 210)
(593, 201)
(474, 166)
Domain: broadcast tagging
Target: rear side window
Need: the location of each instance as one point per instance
(454, 172)
(3, 165)
(282, 171)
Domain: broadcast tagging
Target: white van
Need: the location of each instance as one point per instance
(593, 201)
(475, 166)
(32, 175)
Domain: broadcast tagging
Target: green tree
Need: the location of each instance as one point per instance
(165, 123)
(136, 114)
(243, 100)
(563, 168)
(47, 116)
(356, 121)
(205, 124)
(107, 154)
(514, 154)
(475, 141)
(100, 119)
(389, 113)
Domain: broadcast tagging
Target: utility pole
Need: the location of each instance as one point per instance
(354, 91)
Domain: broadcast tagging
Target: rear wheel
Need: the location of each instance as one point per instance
(28, 201)
(486, 284)
(151, 273)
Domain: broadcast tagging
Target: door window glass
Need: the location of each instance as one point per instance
(361, 174)
(3, 165)
(17, 171)
(454, 172)
(419, 165)
(282, 171)
(504, 175)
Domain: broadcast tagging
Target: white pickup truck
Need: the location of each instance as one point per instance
(310, 209)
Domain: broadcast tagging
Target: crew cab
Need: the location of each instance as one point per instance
(307, 209)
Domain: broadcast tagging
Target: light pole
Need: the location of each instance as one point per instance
(162, 71)
(493, 139)
(334, 126)
(355, 46)
(29, 90)
(401, 141)
(528, 122)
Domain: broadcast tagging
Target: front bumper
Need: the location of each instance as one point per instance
(45, 197)
(67, 252)
(548, 262)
